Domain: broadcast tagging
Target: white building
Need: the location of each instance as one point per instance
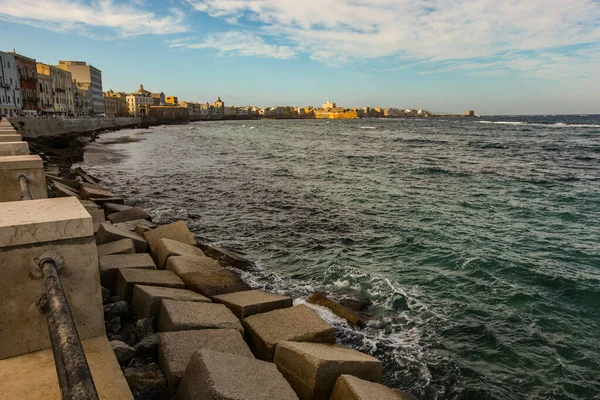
(10, 90)
(138, 102)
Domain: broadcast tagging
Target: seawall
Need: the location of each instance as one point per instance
(44, 127)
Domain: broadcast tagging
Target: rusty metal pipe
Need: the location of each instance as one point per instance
(25, 187)
(74, 374)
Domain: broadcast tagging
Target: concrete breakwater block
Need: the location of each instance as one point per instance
(182, 265)
(213, 283)
(9, 137)
(128, 277)
(176, 348)
(14, 149)
(231, 258)
(108, 233)
(146, 300)
(313, 368)
(110, 264)
(350, 316)
(112, 208)
(299, 323)
(58, 228)
(32, 167)
(123, 246)
(186, 315)
(130, 225)
(130, 214)
(97, 215)
(214, 375)
(176, 231)
(167, 248)
(62, 190)
(89, 191)
(349, 387)
(33, 376)
(250, 302)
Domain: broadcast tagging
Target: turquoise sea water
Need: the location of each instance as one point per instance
(477, 240)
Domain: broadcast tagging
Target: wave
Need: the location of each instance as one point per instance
(556, 125)
(368, 127)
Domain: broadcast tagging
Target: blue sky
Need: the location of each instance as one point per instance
(497, 57)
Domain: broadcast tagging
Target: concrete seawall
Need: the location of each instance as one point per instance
(40, 127)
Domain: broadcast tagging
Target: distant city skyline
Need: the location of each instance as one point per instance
(445, 56)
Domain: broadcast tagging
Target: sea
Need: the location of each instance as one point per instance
(477, 240)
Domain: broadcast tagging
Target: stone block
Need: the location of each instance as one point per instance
(348, 387)
(222, 376)
(130, 214)
(313, 368)
(229, 257)
(140, 229)
(168, 247)
(128, 277)
(102, 200)
(298, 324)
(33, 375)
(89, 205)
(72, 184)
(146, 300)
(123, 246)
(14, 149)
(97, 215)
(130, 225)
(32, 167)
(350, 316)
(250, 302)
(108, 233)
(9, 137)
(186, 315)
(112, 208)
(182, 265)
(176, 348)
(175, 231)
(110, 264)
(64, 191)
(90, 191)
(59, 228)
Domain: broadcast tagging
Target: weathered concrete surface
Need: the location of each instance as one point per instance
(9, 137)
(166, 248)
(182, 265)
(36, 127)
(313, 368)
(128, 277)
(58, 228)
(250, 302)
(32, 167)
(131, 225)
(222, 376)
(33, 376)
(214, 283)
(110, 264)
(89, 191)
(108, 233)
(231, 258)
(299, 324)
(112, 208)
(146, 300)
(14, 149)
(140, 229)
(62, 190)
(130, 214)
(338, 309)
(175, 231)
(97, 215)
(349, 387)
(123, 246)
(186, 315)
(176, 348)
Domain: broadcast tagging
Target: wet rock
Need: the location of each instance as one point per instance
(356, 304)
(119, 309)
(144, 327)
(123, 351)
(106, 294)
(233, 259)
(148, 347)
(113, 326)
(146, 382)
(127, 333)
(352, 317)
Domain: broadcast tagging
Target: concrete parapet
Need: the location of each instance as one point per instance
(167, 248)
(36, 127)
(128, 277)
(176, 348)
(299, 323)
(110, 264)
(32, 167)
(185, 315)
(8, 149)
(146, 300)
(250, 302)
(33, 376)
(61, 229)
(348, 387)
(313, 368)
(214, 375)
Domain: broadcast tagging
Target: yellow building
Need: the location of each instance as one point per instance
(122, 106)
(62, 88)
(171, 100)
(111, 106)
(329, 105)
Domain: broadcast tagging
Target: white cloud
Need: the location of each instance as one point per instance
(238, 43)
(124, 19)
(340, 31)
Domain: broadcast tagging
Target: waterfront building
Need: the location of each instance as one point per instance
(88, 78)
(159, 99)
(122, 106)
(194, 110)
(171, 100)
(470, 113)
(27, 72)
(139, 101)
(166, 114)
(84, 105)
(46, 99)
(112, 106)
(329, 105)
(10, 88)
(218, 108)
(62, 88)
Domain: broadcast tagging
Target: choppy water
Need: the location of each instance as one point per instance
(477, 240)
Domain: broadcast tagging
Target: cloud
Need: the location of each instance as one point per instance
(431, 31)
(238, 43)
(122, 18)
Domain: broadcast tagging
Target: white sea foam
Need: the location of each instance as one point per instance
(556, 125)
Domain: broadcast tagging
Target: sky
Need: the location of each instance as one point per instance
(496, 57)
